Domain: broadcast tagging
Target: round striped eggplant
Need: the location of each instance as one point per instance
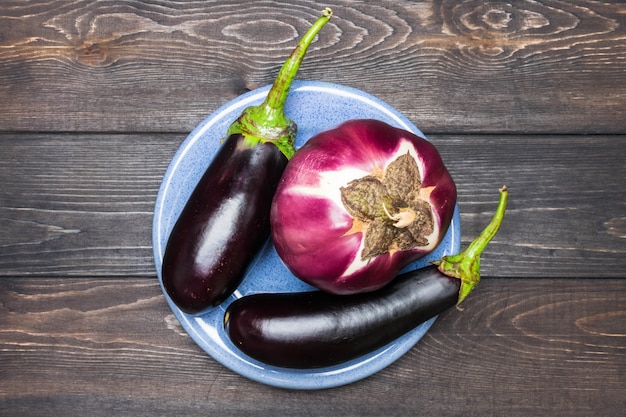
(358, 203)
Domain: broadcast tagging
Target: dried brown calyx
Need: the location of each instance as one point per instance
(389, 208)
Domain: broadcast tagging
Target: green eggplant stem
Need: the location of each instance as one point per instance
(466, 265)
(268, 122)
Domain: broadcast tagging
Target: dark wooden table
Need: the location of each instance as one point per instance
(96, 97)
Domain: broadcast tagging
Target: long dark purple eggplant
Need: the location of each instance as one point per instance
(226, 219)
(317, 329)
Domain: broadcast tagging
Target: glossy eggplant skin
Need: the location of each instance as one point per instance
(223, 225)
(315, 329)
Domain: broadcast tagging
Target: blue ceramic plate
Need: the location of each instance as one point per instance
(314, 106)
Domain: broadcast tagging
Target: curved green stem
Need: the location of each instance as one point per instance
(267, 122)
(466, 265)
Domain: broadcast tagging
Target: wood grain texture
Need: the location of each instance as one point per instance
(82, 205)
(79, 202)
(472, 66)
(112, 347)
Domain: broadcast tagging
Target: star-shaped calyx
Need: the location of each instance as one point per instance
(390, 208)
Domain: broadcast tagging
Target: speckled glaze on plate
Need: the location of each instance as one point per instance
(315, 107)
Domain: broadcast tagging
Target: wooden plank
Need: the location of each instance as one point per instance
(566, 213)
(72, 203)
(112, 347)
(86, 209)
(471, 67)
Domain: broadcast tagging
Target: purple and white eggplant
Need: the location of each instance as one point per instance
(358, 203)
